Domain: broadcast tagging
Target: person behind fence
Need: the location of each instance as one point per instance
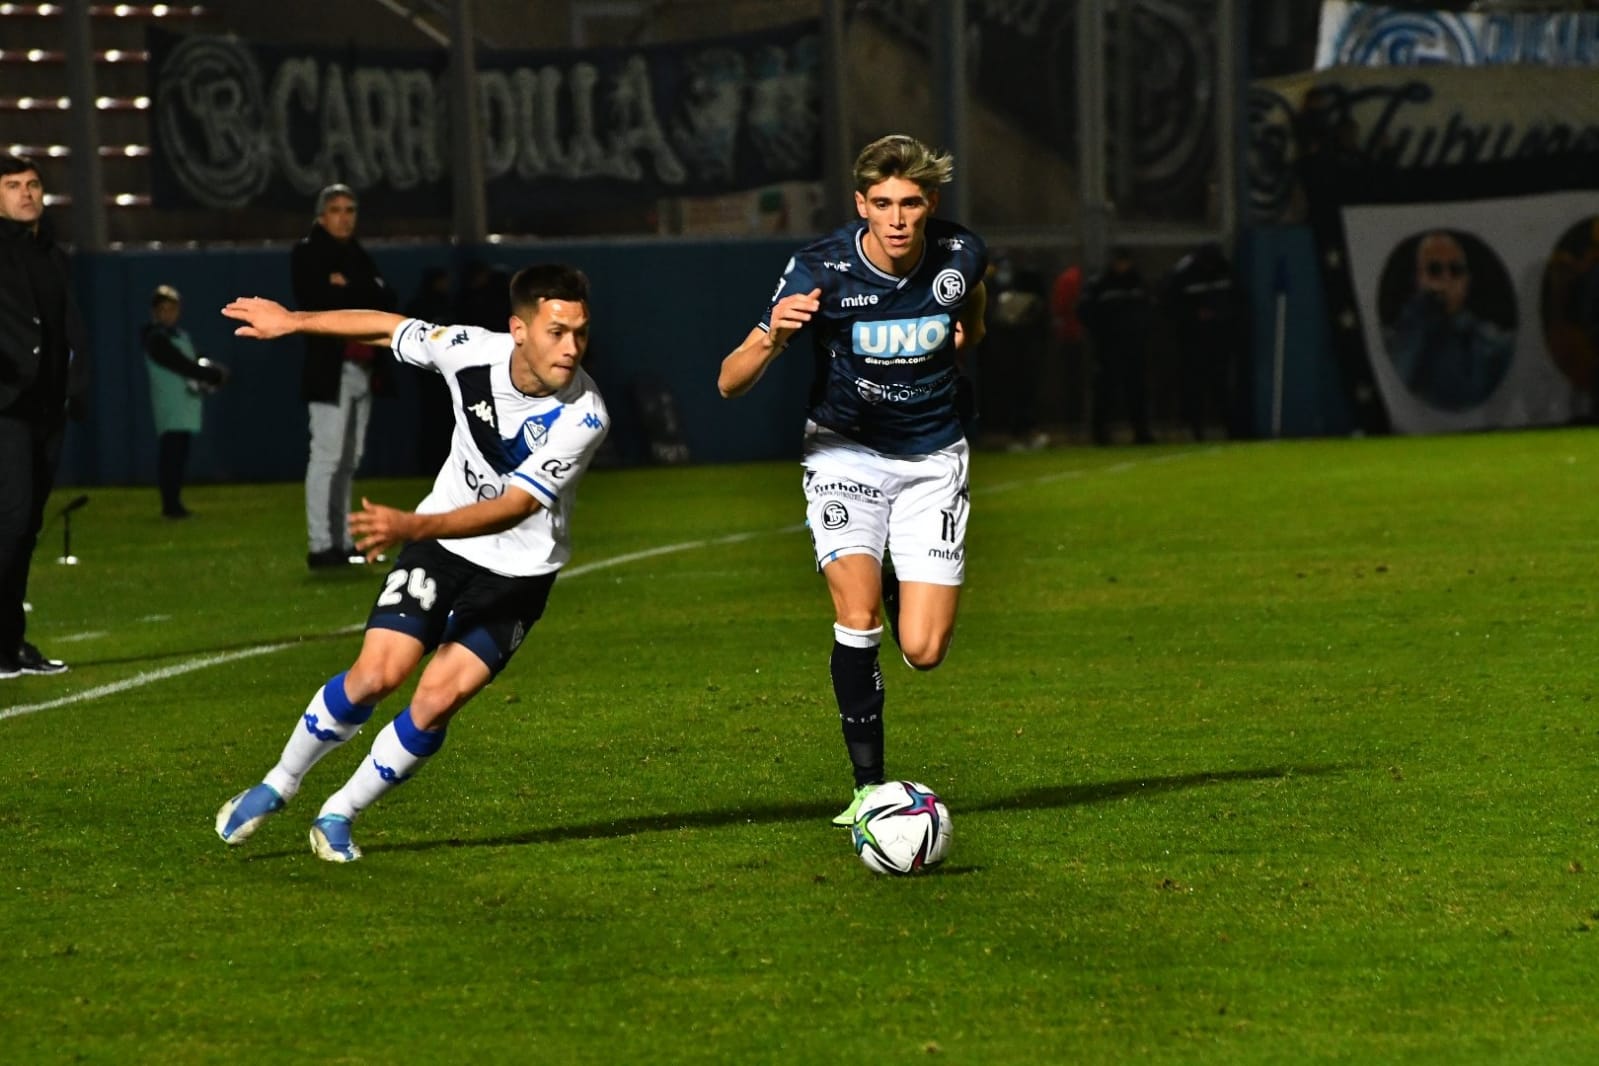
(179, 377)
(1114, 309)
(1202, 302)
(330, 271)
(43, 382)
(480, 553)
(1444, 352)
(1018, 332)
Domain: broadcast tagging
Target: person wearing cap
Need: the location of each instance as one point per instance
(330, 271)
(179, 375)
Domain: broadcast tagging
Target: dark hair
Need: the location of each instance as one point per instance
(546, 281)
(16, 164)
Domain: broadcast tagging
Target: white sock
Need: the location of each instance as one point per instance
(398, 752)
(329, 720)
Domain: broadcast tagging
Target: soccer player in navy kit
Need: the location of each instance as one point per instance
(481, 550)
(893, 299)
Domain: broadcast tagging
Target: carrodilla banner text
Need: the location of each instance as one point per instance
(235, 123)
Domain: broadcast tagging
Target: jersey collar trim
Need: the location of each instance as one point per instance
(899, 282)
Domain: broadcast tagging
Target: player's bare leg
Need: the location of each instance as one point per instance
(336, 712)
(926, 622)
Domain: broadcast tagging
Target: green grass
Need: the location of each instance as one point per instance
(1255, 753)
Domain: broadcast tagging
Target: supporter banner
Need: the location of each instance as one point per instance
(1479, 314)
(1357, 34)
(1414, 120)
(236, 123)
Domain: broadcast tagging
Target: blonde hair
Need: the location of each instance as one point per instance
(902, 156)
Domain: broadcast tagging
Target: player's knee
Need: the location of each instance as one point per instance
(924, 654)
(369, 681)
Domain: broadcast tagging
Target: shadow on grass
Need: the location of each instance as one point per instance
(1081, 795)
(1045, 798)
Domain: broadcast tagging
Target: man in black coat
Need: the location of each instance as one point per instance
(1115, 309)
(43, 370)
(330, 271)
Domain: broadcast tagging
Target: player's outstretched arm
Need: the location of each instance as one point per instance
(744, 367)
(265, 319)
(377, 528)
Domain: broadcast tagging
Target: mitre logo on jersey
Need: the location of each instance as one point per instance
(954, 244)
(840, 265)
(865, 299)
(949, 286)
(901, 338)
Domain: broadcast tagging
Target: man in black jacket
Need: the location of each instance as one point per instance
(1115, 309)
(332, 272)
(43, 369)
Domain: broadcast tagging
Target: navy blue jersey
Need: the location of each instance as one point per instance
(885, 346)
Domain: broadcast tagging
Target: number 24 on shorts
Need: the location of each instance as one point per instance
(414, 583)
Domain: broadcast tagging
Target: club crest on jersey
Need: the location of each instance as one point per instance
(949, 286)
(901, 338)
(535, 431)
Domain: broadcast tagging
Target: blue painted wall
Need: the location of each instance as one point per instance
(670, 311)
(1281, 261)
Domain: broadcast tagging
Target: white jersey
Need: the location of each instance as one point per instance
(505, 439)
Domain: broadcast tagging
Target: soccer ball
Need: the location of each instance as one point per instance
(902, 828)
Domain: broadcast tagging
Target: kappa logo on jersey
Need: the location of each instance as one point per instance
(901, 338)
(459, 338)
(484, 410)
(592, 421)
(835, 516)
(949, 286)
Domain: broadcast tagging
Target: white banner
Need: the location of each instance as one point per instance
(1479, 314)
(1374, 35)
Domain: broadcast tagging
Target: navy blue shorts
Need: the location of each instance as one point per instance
(438, 597)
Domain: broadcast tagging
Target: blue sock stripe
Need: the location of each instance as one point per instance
(339, 705)
(419, 742)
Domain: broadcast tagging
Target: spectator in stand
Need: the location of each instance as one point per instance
(1017, 331)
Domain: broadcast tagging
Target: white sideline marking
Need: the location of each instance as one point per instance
(74, 638)
(178, 669)
(140, 680)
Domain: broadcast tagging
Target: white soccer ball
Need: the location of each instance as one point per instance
(902, 828)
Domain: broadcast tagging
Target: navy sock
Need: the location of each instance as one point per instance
(858, 687)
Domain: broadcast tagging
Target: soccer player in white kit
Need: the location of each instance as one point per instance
(892, 298)
(481, 550)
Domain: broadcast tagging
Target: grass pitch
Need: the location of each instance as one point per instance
(1255, 753)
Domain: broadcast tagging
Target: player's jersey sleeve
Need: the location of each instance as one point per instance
(573, 439)
(430, 346)
(798, 276)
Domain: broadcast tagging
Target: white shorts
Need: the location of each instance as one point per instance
(857, 501)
